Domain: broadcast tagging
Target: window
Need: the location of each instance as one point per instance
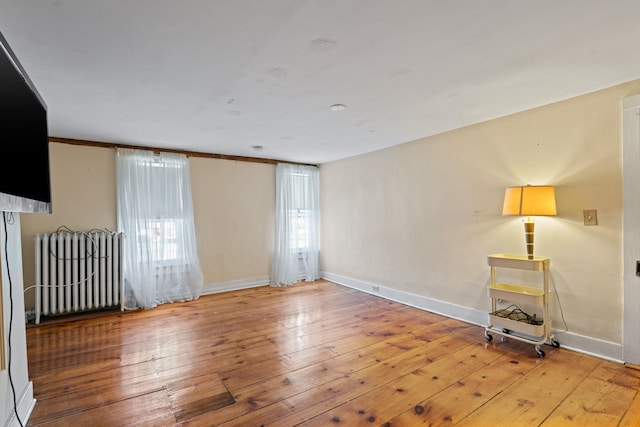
(155, 212)
(299, 213)
(299, 233)
(161, 238)
(296, 248)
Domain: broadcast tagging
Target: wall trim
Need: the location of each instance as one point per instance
(465, 314)
(579, 343)
(234, 285)
(26, 403)
(590, 346)
(630, 228)
(115, 146)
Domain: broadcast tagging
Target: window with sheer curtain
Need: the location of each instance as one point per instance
(296, 250)
(155, 212)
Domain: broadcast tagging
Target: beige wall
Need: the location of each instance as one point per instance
(234, 207)
(422, 217)
(233, 203)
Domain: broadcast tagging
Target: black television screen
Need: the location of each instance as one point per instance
(25, 183)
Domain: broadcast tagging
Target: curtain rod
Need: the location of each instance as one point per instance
(169, 150)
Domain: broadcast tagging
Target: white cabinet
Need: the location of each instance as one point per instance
(520, 311)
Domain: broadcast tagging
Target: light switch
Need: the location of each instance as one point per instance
(590, 217)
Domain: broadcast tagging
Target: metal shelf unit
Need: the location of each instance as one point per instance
(505, 322)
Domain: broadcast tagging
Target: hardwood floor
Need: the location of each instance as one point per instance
(315, 354)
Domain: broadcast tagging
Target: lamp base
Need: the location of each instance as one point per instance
(529, 227)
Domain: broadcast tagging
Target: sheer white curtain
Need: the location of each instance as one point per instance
(156, 214)
(296, 250)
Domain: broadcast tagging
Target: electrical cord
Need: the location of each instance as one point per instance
(514, 312)
(6, 253)
(60, 286)
(555, 291)
(90, 254)
(87, 235)
(93, 230)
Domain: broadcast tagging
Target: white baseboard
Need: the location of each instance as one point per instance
(26, 403)
(234, 285)
(588, 345)
(571, 341)
(454, 311)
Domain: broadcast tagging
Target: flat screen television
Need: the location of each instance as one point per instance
(25, 182)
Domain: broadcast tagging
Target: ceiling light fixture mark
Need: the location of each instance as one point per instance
(322, 44)
(278, 72)
(401, 72)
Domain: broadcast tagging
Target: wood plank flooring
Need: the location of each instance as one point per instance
(314, 354)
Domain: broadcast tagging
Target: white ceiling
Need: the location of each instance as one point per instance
(223, 76)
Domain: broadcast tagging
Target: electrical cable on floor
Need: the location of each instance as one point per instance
(6, 253)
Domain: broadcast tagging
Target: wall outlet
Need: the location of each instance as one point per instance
(375, 288)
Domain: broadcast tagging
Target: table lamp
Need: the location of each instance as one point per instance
(529, 201)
